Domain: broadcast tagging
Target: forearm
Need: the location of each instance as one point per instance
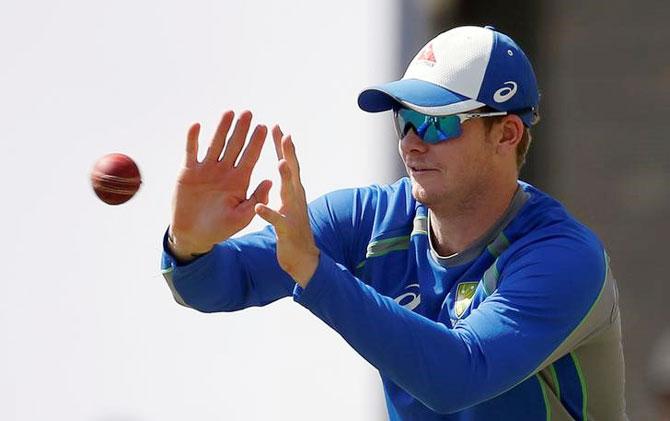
(424, 357)
(235, 274)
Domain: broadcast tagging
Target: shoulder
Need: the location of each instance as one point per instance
(551, 250)
(368, 199)
(345, 221)
(544, 220)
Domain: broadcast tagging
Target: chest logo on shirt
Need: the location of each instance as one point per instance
(464, 293)
(410, 299)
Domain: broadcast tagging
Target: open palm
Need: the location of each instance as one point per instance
(210, 202)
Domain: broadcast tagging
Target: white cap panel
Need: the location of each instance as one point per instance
(456, 60)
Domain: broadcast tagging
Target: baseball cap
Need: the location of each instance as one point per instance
(460, 70)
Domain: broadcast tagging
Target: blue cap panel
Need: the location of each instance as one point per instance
(509, 82)
(413, 91)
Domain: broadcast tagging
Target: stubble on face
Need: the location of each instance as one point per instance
(462, 172)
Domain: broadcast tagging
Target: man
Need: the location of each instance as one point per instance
(475, 295)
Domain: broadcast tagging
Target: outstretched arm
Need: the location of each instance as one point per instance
(210, 205)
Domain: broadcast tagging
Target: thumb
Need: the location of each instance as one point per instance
(260, 195)
(270, 215)
(262, 192)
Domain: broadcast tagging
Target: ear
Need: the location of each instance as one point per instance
(510, 131)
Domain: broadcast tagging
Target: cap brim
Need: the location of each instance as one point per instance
(419, 95)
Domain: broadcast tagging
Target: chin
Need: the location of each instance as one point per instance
(424, 195)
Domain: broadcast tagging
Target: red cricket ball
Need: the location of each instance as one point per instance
(115, 178)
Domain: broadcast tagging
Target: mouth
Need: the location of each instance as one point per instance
(420, 170)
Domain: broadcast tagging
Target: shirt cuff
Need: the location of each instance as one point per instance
(170, 259)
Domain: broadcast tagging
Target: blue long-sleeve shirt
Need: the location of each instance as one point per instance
(522, 325)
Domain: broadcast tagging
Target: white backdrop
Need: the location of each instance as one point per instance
(89, 330)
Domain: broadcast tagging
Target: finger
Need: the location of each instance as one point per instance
(253, 149)
(236, 141)
(260, 195)
(277, 134)
(219, 139)
(270, 215)
(262, 192)
(192, 146)
(286, 191)
(288, 149)
(297, 191)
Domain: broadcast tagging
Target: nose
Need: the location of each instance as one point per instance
(412, 143)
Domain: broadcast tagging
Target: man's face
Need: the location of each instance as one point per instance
(450, 172)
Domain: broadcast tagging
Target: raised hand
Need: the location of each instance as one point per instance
(296, 250)
(210, 201)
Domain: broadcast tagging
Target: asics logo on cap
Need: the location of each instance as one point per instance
(505, 93)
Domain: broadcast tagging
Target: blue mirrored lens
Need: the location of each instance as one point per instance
(406, 119)
(447, 127)
(431, 129)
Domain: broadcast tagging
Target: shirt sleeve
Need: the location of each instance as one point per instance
(243, 272)
(237, 273)
(543, 295)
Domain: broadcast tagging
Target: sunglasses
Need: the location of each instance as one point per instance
(434, 129)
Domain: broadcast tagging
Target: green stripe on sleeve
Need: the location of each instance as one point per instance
(544, 396)
(554, 379)
(582, 381)
(382, 247)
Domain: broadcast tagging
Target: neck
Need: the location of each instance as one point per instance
(455, 228)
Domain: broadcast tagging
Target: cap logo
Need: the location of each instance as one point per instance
(505, 93)
(427, 54)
